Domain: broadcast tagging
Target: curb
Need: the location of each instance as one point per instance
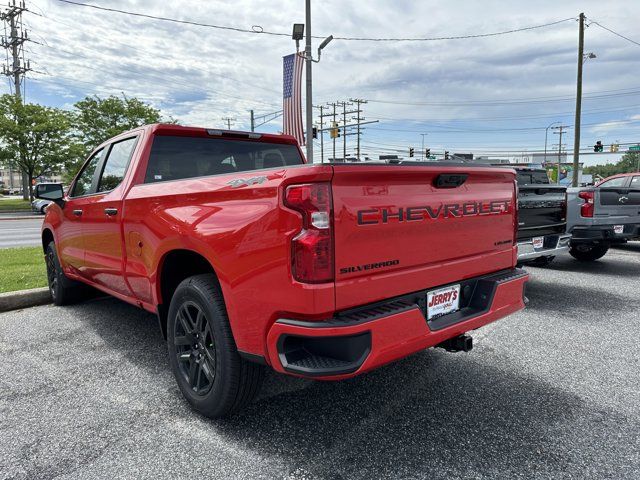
(24, 299)
(22, 217)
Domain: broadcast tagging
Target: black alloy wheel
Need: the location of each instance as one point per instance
(52, 272)
(194, 348)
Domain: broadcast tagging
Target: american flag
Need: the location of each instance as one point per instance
(292, 97)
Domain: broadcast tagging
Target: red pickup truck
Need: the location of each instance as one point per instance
(251, 257)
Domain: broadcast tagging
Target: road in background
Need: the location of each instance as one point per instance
(551, 392)
(20, 233)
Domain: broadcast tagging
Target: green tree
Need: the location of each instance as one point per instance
(98, 119)
(630, 162)
(35, 139)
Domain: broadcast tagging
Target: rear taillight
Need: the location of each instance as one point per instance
(586, 209)
(312, 248)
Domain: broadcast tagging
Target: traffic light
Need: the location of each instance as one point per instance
(614, 147)
(427, 152)
(446, 155)
(314, 132)
(335, 131)
(598, 147)
(411, 151)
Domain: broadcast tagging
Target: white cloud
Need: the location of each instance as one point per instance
(199, 75)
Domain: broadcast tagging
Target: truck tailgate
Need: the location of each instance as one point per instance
(618, 203)
(542, 210)
(396, 231)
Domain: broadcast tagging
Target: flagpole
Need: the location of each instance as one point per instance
(309, 98)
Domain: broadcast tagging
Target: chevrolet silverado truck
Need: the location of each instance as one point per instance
(603, 215)
(250, 257)
(542, 223)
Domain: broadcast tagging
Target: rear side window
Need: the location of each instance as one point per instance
(175, 158)
(116, 164)
(635, 182)
(614, 183)
(84, 183)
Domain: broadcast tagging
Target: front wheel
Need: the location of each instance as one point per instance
(63, 290)
(203, 355)
(588, 253)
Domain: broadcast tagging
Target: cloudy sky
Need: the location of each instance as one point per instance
(482, 95)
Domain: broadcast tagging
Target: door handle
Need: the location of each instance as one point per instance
(111, 211)
(77, 213)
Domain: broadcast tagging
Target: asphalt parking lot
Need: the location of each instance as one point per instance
(552, 392)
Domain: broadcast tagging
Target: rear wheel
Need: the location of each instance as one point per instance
(63, 290)
(588, 253)
(203, 355)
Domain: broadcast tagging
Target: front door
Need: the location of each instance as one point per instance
(70, 239)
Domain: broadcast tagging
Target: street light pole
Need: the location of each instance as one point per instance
(309, 98)
(546, 131)
(423, 134)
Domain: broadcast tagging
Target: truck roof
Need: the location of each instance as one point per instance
(180, 130)
(618, 175)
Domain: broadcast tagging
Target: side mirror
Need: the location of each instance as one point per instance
(50, 191)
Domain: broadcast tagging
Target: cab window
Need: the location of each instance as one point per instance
(85, 184)
(614, 183)
(176, 158)
(116, 164)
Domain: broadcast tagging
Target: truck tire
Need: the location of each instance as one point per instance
(63, 290)
(588, 253)
(203, 355)
(543, 261)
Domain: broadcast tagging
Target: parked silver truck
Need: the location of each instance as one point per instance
(603, 215)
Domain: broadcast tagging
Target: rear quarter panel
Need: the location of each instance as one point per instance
(243, 232)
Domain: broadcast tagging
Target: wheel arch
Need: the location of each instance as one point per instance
(174, 266)
(47, 238)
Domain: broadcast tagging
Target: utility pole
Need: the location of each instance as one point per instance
(561, 130)
(576, 139)
(423, 151)
(253, 122)
(358, 102)
(229, 120)
(344, 132)
(333, 123)
(16, 69)
(321, 131)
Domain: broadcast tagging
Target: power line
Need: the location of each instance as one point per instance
(499, 103)
(258, 29)
(615, 33)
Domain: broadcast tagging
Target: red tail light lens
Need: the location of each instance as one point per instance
(586, 209)
(312, 248)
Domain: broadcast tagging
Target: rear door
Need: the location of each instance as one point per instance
(618, 201)
(101, 220)
(403, 228)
